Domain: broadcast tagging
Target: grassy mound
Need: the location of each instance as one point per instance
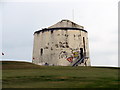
(18, 65)
(28, 75)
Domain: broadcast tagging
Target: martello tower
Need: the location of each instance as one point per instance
(64, 43)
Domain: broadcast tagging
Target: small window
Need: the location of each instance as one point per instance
(41, 51)
(51, 31)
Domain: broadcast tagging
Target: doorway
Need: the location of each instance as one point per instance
(81, 54)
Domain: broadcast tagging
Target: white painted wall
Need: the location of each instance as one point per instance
(59, 45)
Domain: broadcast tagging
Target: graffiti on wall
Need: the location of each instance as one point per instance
(70, 59)
(73, 55)
(63, 54)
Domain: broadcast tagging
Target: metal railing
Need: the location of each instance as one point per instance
(80, 60)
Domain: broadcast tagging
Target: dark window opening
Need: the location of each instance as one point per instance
(51, 31)
(84, 45)
(81, 54)
(41, 51)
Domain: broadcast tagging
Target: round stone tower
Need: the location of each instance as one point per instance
(64, 43)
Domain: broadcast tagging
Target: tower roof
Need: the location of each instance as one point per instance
(66, 23)
(63, 25)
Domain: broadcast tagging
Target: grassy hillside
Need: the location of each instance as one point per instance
(27, 75)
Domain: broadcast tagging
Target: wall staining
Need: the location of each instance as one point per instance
(66, 35)
(56, 45)
(79, 35)
(74, 35)
(69, 54)
(60, 44)
(61, 47)
(46, 47)
(51, 48)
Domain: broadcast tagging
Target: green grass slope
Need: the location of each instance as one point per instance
(18, 65)
(28, 75)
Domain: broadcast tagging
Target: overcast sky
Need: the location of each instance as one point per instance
(22, 18)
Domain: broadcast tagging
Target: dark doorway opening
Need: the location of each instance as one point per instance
(81, 54)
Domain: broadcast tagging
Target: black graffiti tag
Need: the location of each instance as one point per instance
(63, 54)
